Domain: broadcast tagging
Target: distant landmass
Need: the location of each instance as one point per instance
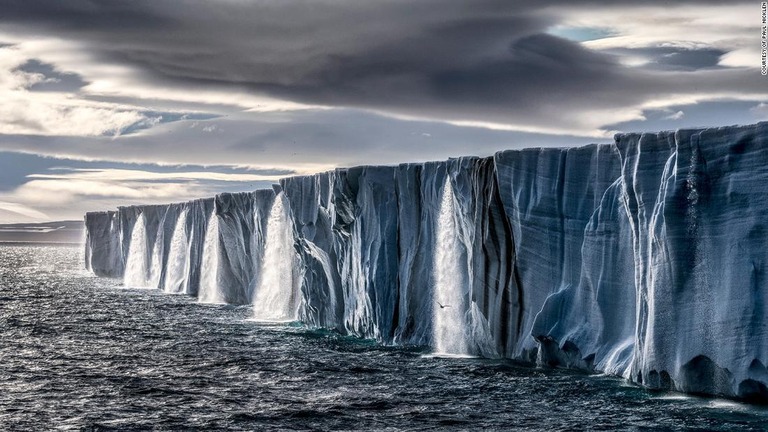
(64, 232)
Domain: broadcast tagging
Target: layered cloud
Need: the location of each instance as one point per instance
(305, 86)
(42, 113)
(49, 188)
(482, 62)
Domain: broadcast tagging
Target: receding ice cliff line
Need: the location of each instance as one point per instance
(644, 258)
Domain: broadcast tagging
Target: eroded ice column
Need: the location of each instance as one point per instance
(366, 241)
(103, 248)
(311, 205)
(277, 297)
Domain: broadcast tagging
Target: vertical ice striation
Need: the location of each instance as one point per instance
(368, 245)
(313, 212)
(276, 297)
(227, 271)
(697, 208)
(103, 248)
(644, 258)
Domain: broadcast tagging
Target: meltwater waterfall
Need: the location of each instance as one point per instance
(449, 293)
(137, 266)
(643, 258)
(277, 296)
(210, 287)
(178, 266)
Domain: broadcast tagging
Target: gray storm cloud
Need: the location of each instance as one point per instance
(480, 61)
(303, 86)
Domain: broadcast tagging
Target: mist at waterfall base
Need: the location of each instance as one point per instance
(81, 352)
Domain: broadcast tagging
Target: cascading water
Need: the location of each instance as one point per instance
(178, 266)
(136, 266)
(449, 320)
(156, 261)
(276, 295)
(210, 291)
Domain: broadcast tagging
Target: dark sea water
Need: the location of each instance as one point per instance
(81, 353)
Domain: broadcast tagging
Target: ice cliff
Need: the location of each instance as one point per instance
(645, 258)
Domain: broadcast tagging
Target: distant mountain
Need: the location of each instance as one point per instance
(47, 232)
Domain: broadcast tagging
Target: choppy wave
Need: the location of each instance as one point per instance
(83, 353)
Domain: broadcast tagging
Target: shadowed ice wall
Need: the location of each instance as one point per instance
(644, 258)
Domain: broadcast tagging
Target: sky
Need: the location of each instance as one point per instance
(108, 103)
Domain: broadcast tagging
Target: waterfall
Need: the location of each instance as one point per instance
(210, 291)
(449, 321)
(178, 258)
(136, 266)
(276, 295)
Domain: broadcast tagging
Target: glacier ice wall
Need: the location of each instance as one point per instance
(643, 258)
(697, 210)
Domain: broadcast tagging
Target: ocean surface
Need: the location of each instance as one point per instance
(82, 353)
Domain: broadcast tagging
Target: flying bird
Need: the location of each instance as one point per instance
(442, 306)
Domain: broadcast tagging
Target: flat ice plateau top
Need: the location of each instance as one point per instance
(644, 258)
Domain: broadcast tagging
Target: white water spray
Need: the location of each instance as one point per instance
(450, 326)
(210, 291)
(276, 296)
(178, 258)
(143, 267)
(136, 264)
